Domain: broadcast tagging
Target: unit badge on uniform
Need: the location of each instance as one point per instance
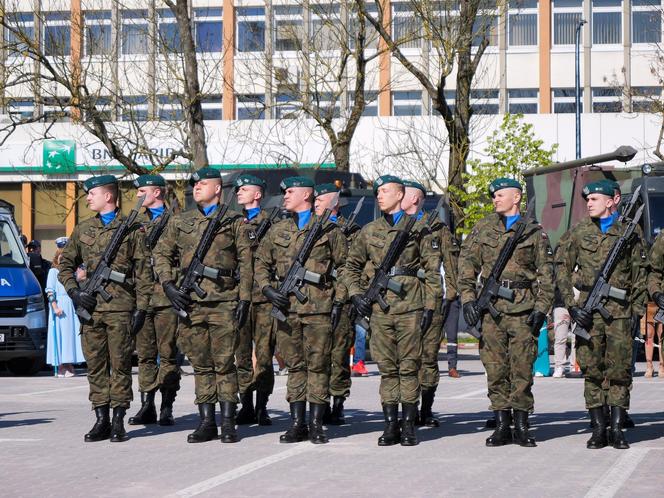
(434, 243)
(252, 235)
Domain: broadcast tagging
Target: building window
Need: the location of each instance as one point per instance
(326, 104)
(371, 36)
(250, 29)
(607, 22)
(212, 108)
(21, 109)
(135, 108)
(104, 107)
(134, 32)
(566, 17)
(646, 99)
(370, 102)
(98, 33)
(250, 106)
(607, 100)
(564, 100)
(23, 26)
(57, 34)
(406, 27)
(286, 106)
(484, 101)
(522, 22)
(325, 22)
(56, 110)
(522, 100)
(450, 99)
(168, 32)
(288, 28)
(646, 21)
(170, 108)
(208, 26)
(407, 103)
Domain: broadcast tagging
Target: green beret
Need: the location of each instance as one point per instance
(612, 184)
(99, 181)
(296, 181)
(325, 188)
(204, 174)
(385, 179)
(246, 179)
(501, 183)
(150, 181)
(600, 187)
(410, 183)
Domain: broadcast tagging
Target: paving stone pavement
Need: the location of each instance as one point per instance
(43, 419)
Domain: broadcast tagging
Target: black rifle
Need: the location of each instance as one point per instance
(102, 274)
(153, 237)
(349, 226)
(601, 289)
(632, 202)
(196, 270)
(264, 227)
(297, 274)
(492, 288)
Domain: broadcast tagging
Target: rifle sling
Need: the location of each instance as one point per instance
(512, 284)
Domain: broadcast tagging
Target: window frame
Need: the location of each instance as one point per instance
(208, 15)
(402, 10)
(565, 99)
(258, 101)
(407, 102)
(564, 47)
(522, 11)
(289, 15)
(647, 8)
(99, 18)
(523, 100)
(23, 24)
(166, 17)
(138, 17)
(59, 19)
(250, 15)
(606, 10)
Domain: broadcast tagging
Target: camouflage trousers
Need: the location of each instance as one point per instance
(304, 341)
(208, 338)
(508, 350)
(158, 337)
(107, 346)
(396, 345)
(606, 363)
(342, 341)
(429, 372)
(256, 336)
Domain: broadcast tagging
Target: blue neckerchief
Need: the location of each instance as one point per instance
(252, 213)
(107, 218)
(511, 220)
(606, 223)
(156, 212)
(419, 215)
(333, 218)
(209, 209)
(396, 217)
(303, 218)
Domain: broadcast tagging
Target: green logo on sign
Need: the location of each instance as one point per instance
(59, 157)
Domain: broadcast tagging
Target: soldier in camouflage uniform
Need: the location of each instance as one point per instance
(107, 338)
(158, 336)
(257, 334)
(208, 334)
(606, 359)
(304, 339)
(508, 345)
(396, 340)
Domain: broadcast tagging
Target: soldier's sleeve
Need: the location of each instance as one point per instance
(469, 267)
(430, 261)
(656, 266)
(143, 285)
(545, 277)
(165, 252)
(355, 263)
(245, 259)
(449, 252)
(639, 292)
(564, 263)
(339, 254)
(264, 261)
(71, 259)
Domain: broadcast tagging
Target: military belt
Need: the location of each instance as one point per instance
(224, 272)
(513, 284)
(400, 271)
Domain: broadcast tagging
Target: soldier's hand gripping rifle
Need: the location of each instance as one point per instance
(297, 274)
(349, 225)
(264, 227)
(601, 289)
(196, 270)
(95, 284)
(492, 288)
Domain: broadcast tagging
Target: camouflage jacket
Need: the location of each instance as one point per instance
(158, 298)
(443, 242)
(86, 245)
(277, 251)
(251, 227)
(581, 254)
(532, 262)
(367, 253)
(656, 266)
(229, 251)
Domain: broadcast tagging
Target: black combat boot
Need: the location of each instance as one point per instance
(503, 434)
(490, 423)
(521, 435)
(118, 433)
(392, 434)
(102, 428)
(628, 423)
(207, 429)
(166, 409)
(337, 415)
(261, 408)
(317, 433)
(408, 436)
(228, 432)
(598, 423)
(616, 436)
(247, 414)
(426, 417)
(147, 414)
(298, 430)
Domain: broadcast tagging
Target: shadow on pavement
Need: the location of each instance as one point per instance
(6, 424)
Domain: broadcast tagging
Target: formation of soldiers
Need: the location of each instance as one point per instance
(225, 288)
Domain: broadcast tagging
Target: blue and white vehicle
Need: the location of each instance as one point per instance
(23, 325)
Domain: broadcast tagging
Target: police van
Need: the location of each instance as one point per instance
(22, 309)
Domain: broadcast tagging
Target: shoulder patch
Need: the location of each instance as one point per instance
(644, 254)
(435, 243)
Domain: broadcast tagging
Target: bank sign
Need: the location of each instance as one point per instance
(59, 157)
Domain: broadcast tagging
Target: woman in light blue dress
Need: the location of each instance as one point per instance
(64, 341)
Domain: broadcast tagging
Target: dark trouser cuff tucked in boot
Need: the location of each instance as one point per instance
(408, 436)
(118, 433)
(247, 414)
(317, 433)
(298, 430)
(598, 423)
(261, 408)
(228, 431)
(102, 428)
(337, 414)
(503, 433)
(521, 435)
(426, 417)
(147, 414)
(207, 429)
(166, 409)
(392, 434)
(616, 436)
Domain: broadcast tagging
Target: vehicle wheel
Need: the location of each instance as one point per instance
(25, 366)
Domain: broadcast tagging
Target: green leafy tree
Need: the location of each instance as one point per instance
(512, 148)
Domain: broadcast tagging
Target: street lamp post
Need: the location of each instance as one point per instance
(577, 87)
